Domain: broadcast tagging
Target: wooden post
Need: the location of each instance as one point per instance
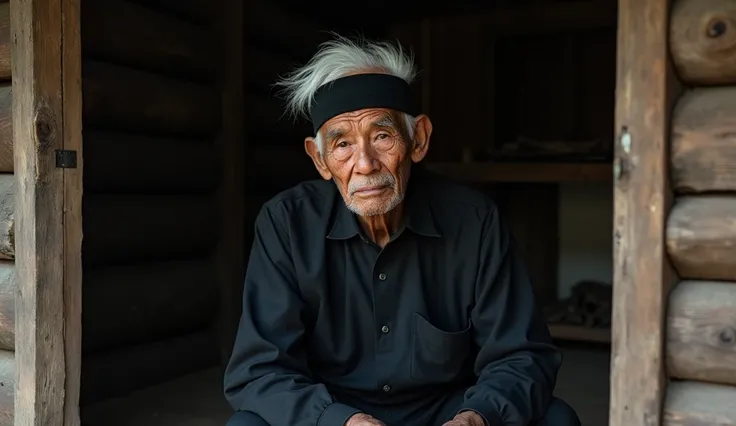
(642, 275)
(47, 119)
(231, 145)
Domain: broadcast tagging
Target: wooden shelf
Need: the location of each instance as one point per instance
(524, 172)
(579, 333)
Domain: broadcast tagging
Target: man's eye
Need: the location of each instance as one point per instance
(382, 136)
(342, 144)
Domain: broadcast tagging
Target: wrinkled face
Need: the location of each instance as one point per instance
(369, 155)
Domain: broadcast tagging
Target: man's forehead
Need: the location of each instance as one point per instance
(373, 116)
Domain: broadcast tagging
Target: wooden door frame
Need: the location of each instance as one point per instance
(645, 90)
(47, 123)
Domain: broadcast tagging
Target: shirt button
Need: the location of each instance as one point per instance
(386, 388)
(382, 276)
(385, 329)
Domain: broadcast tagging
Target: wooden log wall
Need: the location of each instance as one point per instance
(8, 283)
(701, 228)
(162, 183)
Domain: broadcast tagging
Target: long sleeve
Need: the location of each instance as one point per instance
(267, 373)
(517, 364)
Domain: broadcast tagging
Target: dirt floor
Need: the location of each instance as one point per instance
(196, 400)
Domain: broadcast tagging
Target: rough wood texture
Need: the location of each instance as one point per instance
(124, 99)
(129, 34)
(39, 72)
(115, 163)
(704, 141)
(120, 372)
(5, 55)
(703, 39)
(7, 216)
(7, 388)
(645, 90)
(701, 237)
(699, 404)
(125, 229)
(8, 287)
(73, 189)
(127, 305)
(701, 332)
(6, 128)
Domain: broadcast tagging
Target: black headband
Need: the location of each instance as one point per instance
(361, 91)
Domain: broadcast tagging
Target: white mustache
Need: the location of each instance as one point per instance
(376, 180)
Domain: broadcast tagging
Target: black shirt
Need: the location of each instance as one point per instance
(441, 320)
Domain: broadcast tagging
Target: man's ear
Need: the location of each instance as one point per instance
(310, 145)
(422, 133)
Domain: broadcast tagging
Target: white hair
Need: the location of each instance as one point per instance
(337, 58)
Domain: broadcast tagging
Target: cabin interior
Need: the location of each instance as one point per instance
(177, 164)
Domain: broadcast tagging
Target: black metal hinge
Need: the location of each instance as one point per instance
(66, 159)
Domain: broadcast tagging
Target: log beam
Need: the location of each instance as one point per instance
(703, 40)
(119, 162)
(128, 100)
(699, 404)
(8, 287)
(701, 237)
(7, 216)
(704, 141)
(127, 305)
(126, 229)
(5, 45)
(645, 90)
(701, 332)
(119, 372)
(6, 127)
(7, 388)
(130, 34)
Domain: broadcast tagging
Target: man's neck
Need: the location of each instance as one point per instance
(379, 228)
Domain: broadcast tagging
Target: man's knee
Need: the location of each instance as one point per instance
(559, 413)
(245, 418)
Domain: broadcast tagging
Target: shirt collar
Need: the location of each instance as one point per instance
(418, 215)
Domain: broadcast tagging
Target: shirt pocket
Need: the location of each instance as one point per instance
(437, 356)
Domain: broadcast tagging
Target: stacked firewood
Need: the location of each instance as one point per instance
(589, 305)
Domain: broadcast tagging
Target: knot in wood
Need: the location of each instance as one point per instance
(45, 128)
(716, 28)
(727, 336)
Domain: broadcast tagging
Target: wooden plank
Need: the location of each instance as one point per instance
(524, 172)
(230, 251)
(702, 40)
(579, 333)
(701, 332)
(126, 305)
(701, 237)
(8, 287)
(117, 373)
(7, 216)
(127, 100)
(38, 131)
(699, 404)
(7, 388)
(704, 141)
(5, 44)
(6, 128)
(126, 229)
(132, 35)
(645, 90)
(121, 162)
(72, 217)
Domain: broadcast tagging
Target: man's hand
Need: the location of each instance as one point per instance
(362, 419)
(466, 418)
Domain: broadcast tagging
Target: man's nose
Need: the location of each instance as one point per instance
(367, 162)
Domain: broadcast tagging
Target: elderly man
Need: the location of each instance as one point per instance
(382, 295)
